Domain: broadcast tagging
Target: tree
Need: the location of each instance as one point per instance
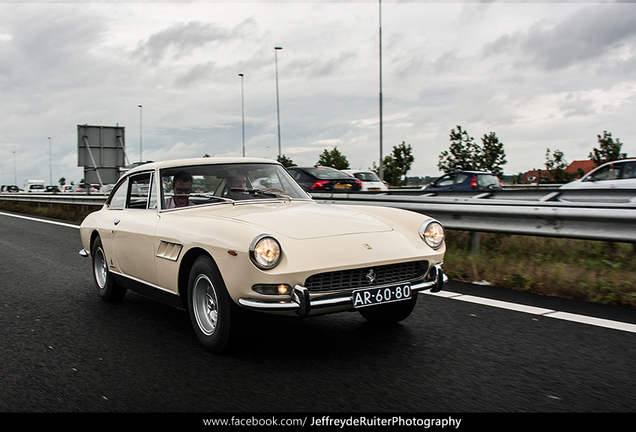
(493, 156)
(62, 181)
(333, 159)
(461, 153)
(610, 150)
(287, 162)
(556, 164)
(464, 154)
(396, 165)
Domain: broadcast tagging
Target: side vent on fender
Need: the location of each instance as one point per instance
(169, 250)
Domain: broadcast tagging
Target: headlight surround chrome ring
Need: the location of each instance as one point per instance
(432, 232)
(265, 252)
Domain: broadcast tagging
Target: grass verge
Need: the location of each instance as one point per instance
(593, 271)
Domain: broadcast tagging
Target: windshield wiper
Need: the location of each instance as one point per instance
(261, 192)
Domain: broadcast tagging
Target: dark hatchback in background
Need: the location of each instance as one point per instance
(324, 179)
(465, 180)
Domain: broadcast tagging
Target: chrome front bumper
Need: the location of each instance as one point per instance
(303, 301)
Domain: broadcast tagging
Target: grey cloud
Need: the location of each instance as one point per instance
(318, 66)
(179, 40)
(575, 105)
(587, 34)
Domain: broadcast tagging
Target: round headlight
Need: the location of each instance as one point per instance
(265, 252)
(432, 232)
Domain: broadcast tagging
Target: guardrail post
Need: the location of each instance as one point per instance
(475, 242)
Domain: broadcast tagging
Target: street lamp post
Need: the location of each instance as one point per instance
(50, 164)
(243, 112)
(381, 167)
(277, 99)
(140, 130)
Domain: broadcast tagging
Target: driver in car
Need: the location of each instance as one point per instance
(182, 187)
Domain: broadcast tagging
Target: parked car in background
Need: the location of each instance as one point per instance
(33, 186)
(271, 249)
(107, 188)
(619, 174)
(324, 179)
(10, 188)
(465, 180)
(68, 188)
(370, 180)
(85, 188)
(52, 188)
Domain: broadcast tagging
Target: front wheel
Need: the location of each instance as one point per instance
(389, 313)
(107, 288)
(212, 311)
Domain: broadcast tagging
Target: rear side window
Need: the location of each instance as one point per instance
(487, 180)
(139, 191)
(629, 170)
(118, 196)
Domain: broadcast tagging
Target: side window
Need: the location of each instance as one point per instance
(118, 197)
(460, 178)
(629, 170)
(606, 173)
(152, 201)
(139, 191)
(446, 180)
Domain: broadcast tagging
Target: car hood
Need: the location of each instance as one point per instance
(306, 220)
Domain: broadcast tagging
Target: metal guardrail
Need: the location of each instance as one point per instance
(606, 215)
(55, 198)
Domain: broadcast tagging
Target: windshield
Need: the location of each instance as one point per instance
(213, 183)
(367, 176)
(326, 173)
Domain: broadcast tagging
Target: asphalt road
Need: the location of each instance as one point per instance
(64, 350)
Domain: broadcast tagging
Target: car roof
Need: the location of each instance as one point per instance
(470, 172)
(198, 161)
(618, 161)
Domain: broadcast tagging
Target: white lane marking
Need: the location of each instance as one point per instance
(599, 322)
(40, 220)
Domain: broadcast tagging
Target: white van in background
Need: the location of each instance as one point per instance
(33, 186)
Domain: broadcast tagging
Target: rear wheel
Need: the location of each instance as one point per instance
(212, 312)
(107, 288)
(389, 313)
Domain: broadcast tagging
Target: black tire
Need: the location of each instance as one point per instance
(212, 312)
(107, 288)
(389, 313)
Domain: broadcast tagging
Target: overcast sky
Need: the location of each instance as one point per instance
(539, 75)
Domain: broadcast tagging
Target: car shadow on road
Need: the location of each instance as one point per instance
(277, 336)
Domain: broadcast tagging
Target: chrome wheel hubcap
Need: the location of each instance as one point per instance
(205, 305)
(100, 268)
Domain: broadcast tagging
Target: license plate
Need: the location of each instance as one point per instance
(342, 186)
(374, 189)
(374, 296)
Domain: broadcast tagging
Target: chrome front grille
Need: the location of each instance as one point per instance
(368, 276)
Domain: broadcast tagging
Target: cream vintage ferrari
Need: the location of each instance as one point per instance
(214, 236)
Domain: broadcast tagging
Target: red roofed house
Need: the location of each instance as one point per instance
(585, 165)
